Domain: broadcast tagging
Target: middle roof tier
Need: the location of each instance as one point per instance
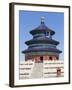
(42, 40)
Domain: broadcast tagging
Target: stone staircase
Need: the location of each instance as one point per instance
(37, 71)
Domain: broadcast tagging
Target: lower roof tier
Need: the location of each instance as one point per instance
(54, 50)
(41, 53)
(45, 40)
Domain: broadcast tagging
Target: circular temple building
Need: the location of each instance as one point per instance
(42, 46)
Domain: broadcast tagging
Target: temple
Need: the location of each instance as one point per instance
(42, 46)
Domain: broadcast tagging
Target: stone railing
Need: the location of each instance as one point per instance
(47, 69)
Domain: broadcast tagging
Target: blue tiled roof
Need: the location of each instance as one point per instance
(42, 28)
(42, 49)
(42, 40)
(40, 36)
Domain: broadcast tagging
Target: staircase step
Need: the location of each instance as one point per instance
(37, 71)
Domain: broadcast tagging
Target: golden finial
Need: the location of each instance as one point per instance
(42, 20)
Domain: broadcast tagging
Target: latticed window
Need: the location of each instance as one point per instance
(41, 58)
(50, 58)
(57, 58)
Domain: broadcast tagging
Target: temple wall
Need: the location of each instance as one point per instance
(37, 58)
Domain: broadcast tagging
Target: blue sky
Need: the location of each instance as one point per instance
(29, 20)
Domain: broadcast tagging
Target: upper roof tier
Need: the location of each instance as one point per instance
(42, 28)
